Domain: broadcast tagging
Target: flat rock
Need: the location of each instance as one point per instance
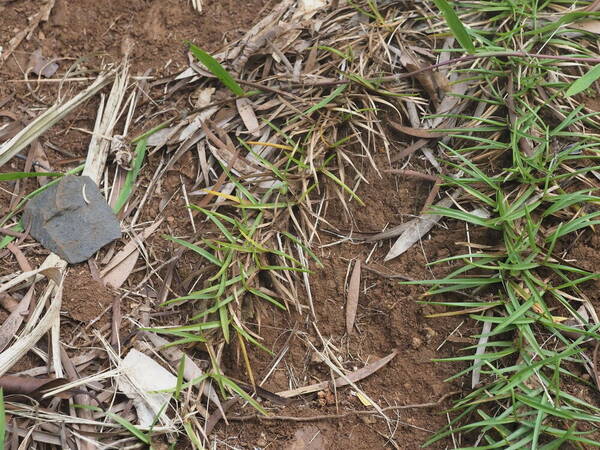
(72, 219)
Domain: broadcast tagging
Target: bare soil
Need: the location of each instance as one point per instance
(390, 317)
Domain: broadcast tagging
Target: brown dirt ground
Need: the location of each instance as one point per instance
(389, 317)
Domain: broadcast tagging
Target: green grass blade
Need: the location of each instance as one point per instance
(179, 383)
(239, 391)
(343, 186)
(207, 255)
(455, 25)
(217, 70)
(130, 427)
(581, 84)
(193, 437)
(18, 175)
(331, 97)
(138, 160)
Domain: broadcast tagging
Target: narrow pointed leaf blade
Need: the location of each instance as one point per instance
(217, 70)
(352, 299)
(455, 25)
(581, 84)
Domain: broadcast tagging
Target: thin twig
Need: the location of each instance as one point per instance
(413, 173)
(386, 275)
(12, 233)
(72, 80)
(432, 194)
(317, 418)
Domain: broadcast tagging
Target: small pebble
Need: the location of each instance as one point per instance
(315, 358)
(416, 342)
(430, 333)
(262, 441)
(369, 420)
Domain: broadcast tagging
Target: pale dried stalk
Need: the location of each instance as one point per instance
(103, 129)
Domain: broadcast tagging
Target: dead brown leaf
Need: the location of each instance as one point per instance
(30, 386)
(594, 6)
(121, 262)
(10, 130)
(40, 65)
(246, 111)
(417, 228)
(52, 273)
(224, 150)
(418, 132)
(8, 302)
(352, 299)
(117, 276)
(428, 79)
(353, 377)
(20, 257)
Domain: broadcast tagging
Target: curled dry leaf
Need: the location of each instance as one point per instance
(352, 299)
(267, 29)
(308, 6)
(433, 82)
(226, 153)
(419, 228)
(418, 132)
(121, 262)
(161, 137)
(576, 322)
(202, 96)
(8, 302)
(117, 276)
(244, 107)
(352, 377)
(9, 130)
(592, 26)
(52, 273)
(450, 104)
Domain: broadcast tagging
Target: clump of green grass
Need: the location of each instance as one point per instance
(240, 256)
(531, 164)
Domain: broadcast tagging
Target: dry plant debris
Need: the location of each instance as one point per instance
(284, 122)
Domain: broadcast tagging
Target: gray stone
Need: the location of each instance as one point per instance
(72, 219)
